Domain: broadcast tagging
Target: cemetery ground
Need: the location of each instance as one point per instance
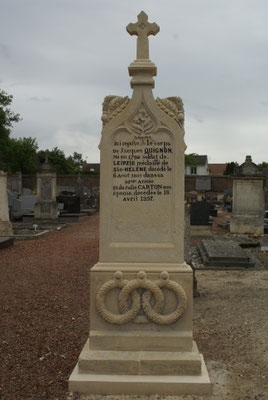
(44, 292)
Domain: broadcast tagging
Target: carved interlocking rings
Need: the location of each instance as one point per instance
(141, 301)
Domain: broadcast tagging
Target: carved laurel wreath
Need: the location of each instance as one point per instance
(141, 300)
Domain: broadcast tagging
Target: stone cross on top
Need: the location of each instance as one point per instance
(143, 29)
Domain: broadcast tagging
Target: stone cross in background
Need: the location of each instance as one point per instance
(143, 29)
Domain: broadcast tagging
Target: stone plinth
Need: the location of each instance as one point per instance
(140, 339)
(223, 254)
(46, 206)
(5, 224)
(248, 200)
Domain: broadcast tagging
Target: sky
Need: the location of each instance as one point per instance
(60, 58)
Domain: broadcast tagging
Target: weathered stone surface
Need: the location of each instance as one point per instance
(46, 207)
(5, 224)
(222, 253)
(248, 200)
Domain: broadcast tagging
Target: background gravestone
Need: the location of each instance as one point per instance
(5, 224)
(141, 290)
(248, 199)
(46, 207)
(199, 213)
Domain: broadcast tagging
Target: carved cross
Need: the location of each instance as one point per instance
(143, 29)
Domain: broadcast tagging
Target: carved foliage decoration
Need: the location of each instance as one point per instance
(112, 106)
(173, 106)
(141, 291)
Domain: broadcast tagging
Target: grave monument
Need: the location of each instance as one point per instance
(5, 224)
(46, 206)
(141, 299)
(248, 199)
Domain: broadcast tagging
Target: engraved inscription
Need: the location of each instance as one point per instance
(142, 169)
(46, 192)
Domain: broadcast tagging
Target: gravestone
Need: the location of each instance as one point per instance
(203, 183)
(71, 203)
(46, 207)
(248, 199)
(223, 254)
(5, 224)
(141, 339)
(200, 213)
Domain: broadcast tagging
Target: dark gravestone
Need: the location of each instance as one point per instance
(222, 253)
(71, 203)
(213, 212)
(200, 213)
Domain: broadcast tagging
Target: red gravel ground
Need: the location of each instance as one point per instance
(44, 292)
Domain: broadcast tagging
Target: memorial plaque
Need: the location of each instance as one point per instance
(142, 183)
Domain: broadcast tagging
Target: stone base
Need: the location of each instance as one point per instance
(6, 242)
(223, 254)
(146, 349)
(247, 224)
(6, 228)
(140, 373)
(200, 231)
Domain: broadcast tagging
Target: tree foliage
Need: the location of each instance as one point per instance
(7, 118)
(264, 164)
(190, 159)
(64, 165)
(21, 154)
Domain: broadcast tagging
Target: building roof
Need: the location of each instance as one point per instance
(217, 169)
(87, 167)
(199, 160)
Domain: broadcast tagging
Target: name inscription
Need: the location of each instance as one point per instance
(141, 170)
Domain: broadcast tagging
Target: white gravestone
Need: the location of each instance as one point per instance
(5, 224)
(140, 339)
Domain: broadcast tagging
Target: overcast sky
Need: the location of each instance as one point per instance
(60, 58)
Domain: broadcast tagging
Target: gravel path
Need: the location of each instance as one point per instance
(44, 292)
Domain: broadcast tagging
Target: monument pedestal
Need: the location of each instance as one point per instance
(149, 348)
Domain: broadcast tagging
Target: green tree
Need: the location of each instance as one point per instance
(21, 155)
(64, 165)
(190, 159)
(264, 164)
(77, 161)
(230, 168)
(7, 118)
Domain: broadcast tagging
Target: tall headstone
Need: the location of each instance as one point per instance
(46, 206)
(248, 199)
(140, 339)
(5, 224)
